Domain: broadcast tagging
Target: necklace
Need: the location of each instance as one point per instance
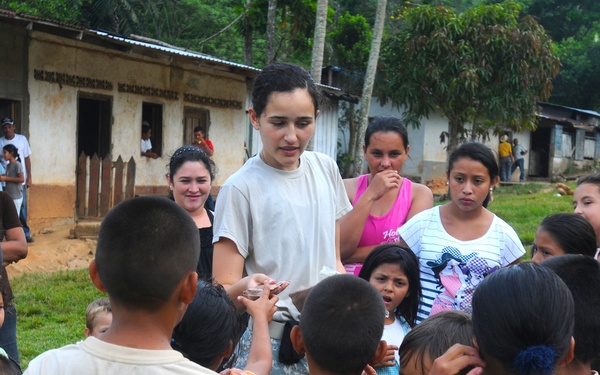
(387, 314)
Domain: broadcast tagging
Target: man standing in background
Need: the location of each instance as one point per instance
(519, 157)
(506, 158)
(22, 145)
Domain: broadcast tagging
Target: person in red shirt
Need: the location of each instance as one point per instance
(203, 144)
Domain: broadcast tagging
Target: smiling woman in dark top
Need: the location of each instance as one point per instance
(190, 177)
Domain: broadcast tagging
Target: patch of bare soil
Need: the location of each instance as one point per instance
(53, 250)
(437, 186)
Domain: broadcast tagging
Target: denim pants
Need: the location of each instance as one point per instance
(505, 166)
(23, 213)
(8, 333)
(521, 164)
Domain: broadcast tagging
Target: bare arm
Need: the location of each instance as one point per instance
(260, 357)
(18, 179)
(422, 199)
(15, 246)
(338, 262)
(150, 154)
(228, 268)
(28, 169)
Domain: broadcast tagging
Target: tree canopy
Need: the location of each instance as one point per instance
(484, 67)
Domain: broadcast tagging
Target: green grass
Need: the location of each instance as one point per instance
(51, 310)
(51, 306)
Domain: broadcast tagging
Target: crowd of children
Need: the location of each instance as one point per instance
(440, 292)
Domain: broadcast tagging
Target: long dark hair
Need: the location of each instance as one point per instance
(408, 262)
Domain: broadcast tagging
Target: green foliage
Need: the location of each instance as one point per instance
(61, 10)
(485, 66)
(579, 78)
(51, 310)
(350, 41)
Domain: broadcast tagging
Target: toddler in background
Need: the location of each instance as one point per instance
(98, 317)
(394, 271)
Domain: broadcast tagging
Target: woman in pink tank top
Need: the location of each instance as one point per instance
(382, 200)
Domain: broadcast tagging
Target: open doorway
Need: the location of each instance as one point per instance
(94, 120)
(539, 152)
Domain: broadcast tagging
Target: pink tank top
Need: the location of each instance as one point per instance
(382, 229)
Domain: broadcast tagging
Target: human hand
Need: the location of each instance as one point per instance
(383, 182)
(390, 357)
(456, 359)
(258, 280)
(369, 370)
(28, 181)
(262, 308)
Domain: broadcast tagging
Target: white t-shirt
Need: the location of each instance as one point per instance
(450, 268)
(146, 145)
(283, 222)
(393, 334)
(22, 145)
(94, 356)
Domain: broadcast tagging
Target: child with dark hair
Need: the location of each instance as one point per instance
(13, 177)
(394, 271)
(523, 321)
(98, 317)
(279, 214)
(341, 326)
(210, 327)
(432, 338)
(563, 233)
(145, 260)
(461, 242)
(586, 202)
(582, 276)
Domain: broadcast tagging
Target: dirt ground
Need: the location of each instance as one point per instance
(53, 250)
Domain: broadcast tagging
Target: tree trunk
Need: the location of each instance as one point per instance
(353, 128)
(319, 40)
(365, 102)
(318, 47)
(248, 53)
(270, 37)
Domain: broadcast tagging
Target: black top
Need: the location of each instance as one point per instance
(206, 250)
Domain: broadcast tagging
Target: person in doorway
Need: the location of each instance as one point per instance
(519, 153)
(203, 143)
(21, 143)
(146, 143)
(506, 158)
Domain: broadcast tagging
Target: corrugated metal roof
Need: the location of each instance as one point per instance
(171, 50)
(587, 111)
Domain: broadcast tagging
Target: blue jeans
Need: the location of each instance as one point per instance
(8, 333)
(505, 166)
(23, 213)
(521, 164)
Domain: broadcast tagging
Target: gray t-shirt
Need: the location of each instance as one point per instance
(283, 222)
(14, 189)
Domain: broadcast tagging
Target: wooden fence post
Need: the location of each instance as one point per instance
(81, 185)
(118, 189)
(93, 189)
(130, 187)
(106, 185)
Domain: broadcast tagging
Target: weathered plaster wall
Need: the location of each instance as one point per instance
(53, 117)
